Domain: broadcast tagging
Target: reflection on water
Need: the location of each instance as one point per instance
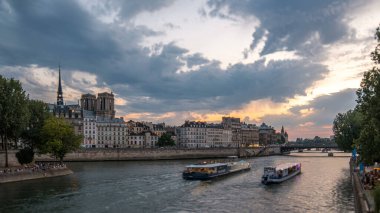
(157, 186)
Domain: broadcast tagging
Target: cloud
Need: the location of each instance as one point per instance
(316, 117)
(196, 59)
(213, 88)
(102, 48)
(290, 24)
(112, 56)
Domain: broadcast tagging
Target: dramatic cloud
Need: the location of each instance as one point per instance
(214, 58)
(317, 116)
(290, 24)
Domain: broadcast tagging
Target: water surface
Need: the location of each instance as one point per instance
(157, 186)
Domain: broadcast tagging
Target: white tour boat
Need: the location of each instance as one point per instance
(280, 173)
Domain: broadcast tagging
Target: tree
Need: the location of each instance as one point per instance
(368, 103)
(25, 155)
(38, 114)
(13, 112)
(346, 128)
(58, 138)
(165, 140)
(369, 144)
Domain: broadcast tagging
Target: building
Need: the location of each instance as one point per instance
(142, 140)
(234, 125)
(72, 113)
(138, 127)
(88, 102)
(284, 135)
(250, 135)
(90, 133)
(217, 136)
(103, 105)
(158, 129)
(173, 132)
(266, 135)
(111, 133)
(192, 134)
(99, 120)
(231, 123)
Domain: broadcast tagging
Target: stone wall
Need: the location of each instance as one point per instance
(145, 154)
(142, 154)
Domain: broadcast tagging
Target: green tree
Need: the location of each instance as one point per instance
(13, 112)
(368, 103)
(58, 138)
(38, 114)
(346, 128)
(369, 144)
(165, 140)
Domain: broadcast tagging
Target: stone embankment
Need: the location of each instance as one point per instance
(159, 154)
(148, 154)
(15, 174)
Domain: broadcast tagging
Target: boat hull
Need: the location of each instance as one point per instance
(267, 180)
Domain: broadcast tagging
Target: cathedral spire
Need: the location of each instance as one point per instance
(59, 92)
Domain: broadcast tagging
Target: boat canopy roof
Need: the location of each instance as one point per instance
(206, 165)
(286, 166)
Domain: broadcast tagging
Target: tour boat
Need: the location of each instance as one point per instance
(280, 173)
(207, 171)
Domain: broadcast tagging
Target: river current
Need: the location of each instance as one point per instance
(157, 186)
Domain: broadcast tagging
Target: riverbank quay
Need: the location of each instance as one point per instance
(364, 202)
(37, 171)
(129, 154)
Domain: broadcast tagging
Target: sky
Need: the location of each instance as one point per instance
(290, 63)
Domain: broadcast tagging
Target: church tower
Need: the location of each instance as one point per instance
(105, 105)
(59, 92)
(88, 102)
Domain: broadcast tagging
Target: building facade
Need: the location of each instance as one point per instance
(250, 135)
(90, 133)
(234, 125)
(111, 133)
(192, 134)
(217, 136)
(142, 140)
(103, 105)
(267, 135)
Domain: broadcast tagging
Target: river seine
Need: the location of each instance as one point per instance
(157, 186)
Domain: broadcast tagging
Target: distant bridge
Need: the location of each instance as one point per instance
(291, 147)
